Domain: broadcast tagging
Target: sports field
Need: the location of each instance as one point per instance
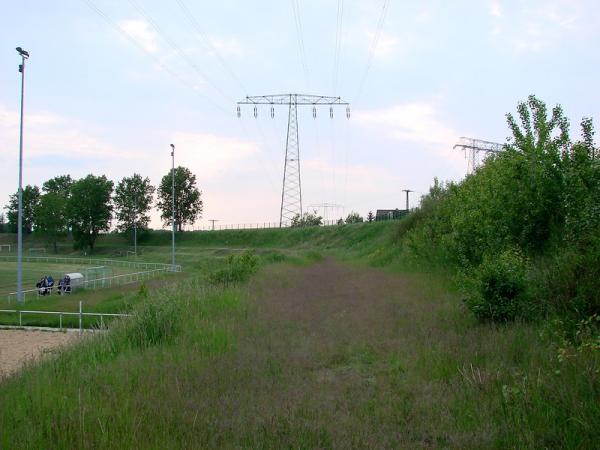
(35, 271)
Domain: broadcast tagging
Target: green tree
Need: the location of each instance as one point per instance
(60, 185)
(133, 199)
(188, 199)
(31, 198)
(51, 217)
(370, 217)
(354, 217)
(307, 220)
(89, 209)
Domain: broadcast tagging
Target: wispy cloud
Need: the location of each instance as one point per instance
(141, 32)
(214, 155)
(227, 46)
(416, 122)
(495, 8)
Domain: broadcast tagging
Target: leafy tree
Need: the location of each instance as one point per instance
(89, 209)
(370, 217)
(354, 217)
(51, 217)
(31, 198)
(188, 199)
(340, 221)
(307, 220)
(133, 199)
(60, 185)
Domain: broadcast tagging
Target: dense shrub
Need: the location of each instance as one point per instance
(498, 289)
(238, 268)
(540, 196)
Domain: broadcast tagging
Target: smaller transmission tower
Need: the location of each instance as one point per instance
(291, 192)
(326, 207)
(475, 149)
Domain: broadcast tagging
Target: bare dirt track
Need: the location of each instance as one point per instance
(18, 347)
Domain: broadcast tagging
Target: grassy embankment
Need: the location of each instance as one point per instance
(404, 365)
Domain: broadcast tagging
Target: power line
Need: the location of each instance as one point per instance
(178, 49)
(157, 60)
(300, 38)
(373, 46)
(338, 44)
(206, 40)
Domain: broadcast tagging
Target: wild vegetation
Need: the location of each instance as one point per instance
(286, 338)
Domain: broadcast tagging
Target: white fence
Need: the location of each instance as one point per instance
(94, 261)
(146, 270)
(107, 282)
(61, 314)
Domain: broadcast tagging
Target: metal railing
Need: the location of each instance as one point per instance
(94, 261)
(61, 314)
(115, 280)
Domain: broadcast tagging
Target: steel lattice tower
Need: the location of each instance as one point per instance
(475, 147)
(291, 191)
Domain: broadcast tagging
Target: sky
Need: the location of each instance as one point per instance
(111, 83)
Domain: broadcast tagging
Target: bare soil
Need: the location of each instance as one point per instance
(20, 347)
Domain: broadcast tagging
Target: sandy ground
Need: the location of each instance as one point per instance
(17, 347)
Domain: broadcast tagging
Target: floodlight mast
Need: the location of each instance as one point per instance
(173, 208)
(291, 192)
(24, 55)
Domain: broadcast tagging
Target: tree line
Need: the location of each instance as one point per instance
(86, 207)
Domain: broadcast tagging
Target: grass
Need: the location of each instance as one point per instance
(311, 353)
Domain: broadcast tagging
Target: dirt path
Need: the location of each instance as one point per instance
(324, 361)
(18, 347)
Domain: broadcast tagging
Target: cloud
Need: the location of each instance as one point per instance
(495, 8)
(212, 154)
(416, 122)
(388, 45)
(141, 32)
(536, 28)
(227, 46)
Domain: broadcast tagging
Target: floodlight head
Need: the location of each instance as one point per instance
(172, 146)
(23, 53)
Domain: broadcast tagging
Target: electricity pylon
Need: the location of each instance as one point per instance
(475, 147)
(291, 191)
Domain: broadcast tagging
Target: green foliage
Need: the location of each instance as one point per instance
(60, 185)
(238, 268)
(31, 198)
(51, 216)
(188, 199)
(497, 291)
(133, 199)
(370, 217)
(540, 196)
(89, 209)
(307, 220)
(354, 217)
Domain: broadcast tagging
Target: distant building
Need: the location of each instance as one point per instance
(390, 214)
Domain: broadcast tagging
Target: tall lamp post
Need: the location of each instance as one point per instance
(24, 55)
(173, 208)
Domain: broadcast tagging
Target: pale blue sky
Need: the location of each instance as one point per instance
(98, 103)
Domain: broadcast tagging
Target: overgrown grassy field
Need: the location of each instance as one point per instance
(314, 351)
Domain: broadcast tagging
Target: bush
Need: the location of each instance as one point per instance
(239, 268)
(497, 292)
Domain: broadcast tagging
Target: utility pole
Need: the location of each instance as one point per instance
(407, 192)
(213, 223)
(475, 147)
(24, 55)
(173, 208)
(291, 191)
